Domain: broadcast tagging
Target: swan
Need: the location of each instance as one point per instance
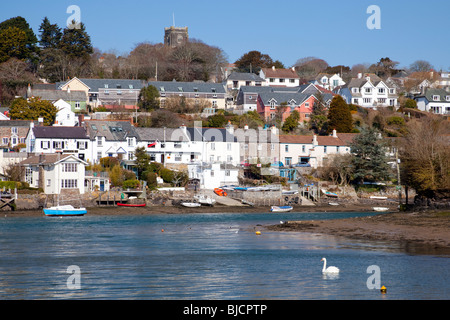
(329, 269)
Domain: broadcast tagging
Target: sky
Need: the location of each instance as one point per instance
(287, 30)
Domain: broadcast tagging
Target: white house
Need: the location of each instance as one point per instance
(65, 116)
(188, 145)
(111, 139)
(236, 80)
(64, 140)
(213, 175)
(54, 172)
(280, 77)
(312, 150)
(328, 81)
(434, 100)
(369, 91)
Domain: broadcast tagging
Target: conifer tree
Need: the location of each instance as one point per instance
(339, 116)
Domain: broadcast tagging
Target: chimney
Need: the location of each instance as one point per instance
(274, 130)
(359, 75)
(246, 127)
(41, 122)
(334, 133)
(315, 143)
(293, 69)
(41, 158)
(273, 68)
(230, 128)
(183, 128)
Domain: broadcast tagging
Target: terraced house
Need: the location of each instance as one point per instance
(213, 93)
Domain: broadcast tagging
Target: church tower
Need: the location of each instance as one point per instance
(175, 36)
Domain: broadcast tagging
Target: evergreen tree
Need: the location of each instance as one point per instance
(33, 109)
(318, 120)
(339, 116)
(76, 42)
(148, 98)
(291, 122)
(369, 157)
(50, 34)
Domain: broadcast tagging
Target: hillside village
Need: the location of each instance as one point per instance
(272, 126)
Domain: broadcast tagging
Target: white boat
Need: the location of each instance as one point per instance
(281, 208)
(329, 194)
(65, 210)
(191, 204)
(333, 203)
(378, 198)
(204, 200)
(380, 209)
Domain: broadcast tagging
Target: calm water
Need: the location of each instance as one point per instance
(202, 256)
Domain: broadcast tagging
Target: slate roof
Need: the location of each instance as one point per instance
(201, 87)
(430, 92)
(60, 132)
(96, 84)
(47, 158)
(54, 95)
(244, 76)
(343, 139)
(111, 130)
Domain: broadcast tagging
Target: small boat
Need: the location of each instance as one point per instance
(220, 192)
(330, 194)
(281, 208)
(378, 198)
(191, 204)
(131, 204)
(333, 203)
(380, 209)
(204, 200)
(247, 202)
(240, 188)
(290, 192)
(65, 210)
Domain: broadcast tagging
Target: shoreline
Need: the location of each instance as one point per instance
(416, 232)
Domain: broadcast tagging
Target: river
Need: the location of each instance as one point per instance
(215, 256)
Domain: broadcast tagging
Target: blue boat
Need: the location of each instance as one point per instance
(66, 210)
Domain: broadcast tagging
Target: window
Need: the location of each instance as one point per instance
(214, 103)
(229, 158)
(271, 80)
(70, 167)
(130, 156)
(14, 130)
(286, 148)
(106, 86)
(367, 100)
(368, 90)
(355, 101)
(436, 97)
(130, 142)
(380, 90)
(130, 86)
(178, 157)
(213, 146)
(303, 148)
(82, 145)
(99, 141)
(49, 182)
(227, 173)
(212, 173)
(447, 98)
(391, 91)
(99, 155)
(5, 140)
(235, 84)
(291, 80)
(57, 145)
(282, 80)
(229, 146)
(44, 144)
(355, 90)
(288, 161)
(272, 105)
(69, 183)
(29, 175)
(77, 105)
(324, 149)
(382, 100)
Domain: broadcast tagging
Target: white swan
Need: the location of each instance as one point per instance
(329, 269)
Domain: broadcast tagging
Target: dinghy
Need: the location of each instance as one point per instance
(281, 208)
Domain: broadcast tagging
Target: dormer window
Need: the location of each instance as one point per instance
(130, 86)
(106, 86)
(436, 97)
(447, 98)
(355, 90)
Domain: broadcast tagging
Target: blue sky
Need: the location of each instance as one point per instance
(287, 30)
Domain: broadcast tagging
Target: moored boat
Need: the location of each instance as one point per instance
(281, 208)
(204, 200)
(380, 209)
(65, 210)
(191, 204)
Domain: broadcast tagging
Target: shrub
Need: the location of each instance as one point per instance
(395, 120)
(132, 184)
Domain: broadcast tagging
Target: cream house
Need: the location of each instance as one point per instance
(312, 150)
(54, 172)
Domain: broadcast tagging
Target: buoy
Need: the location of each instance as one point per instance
(258, 233)
(383, 289)
(162, 230)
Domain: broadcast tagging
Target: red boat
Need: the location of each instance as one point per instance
(131, 205)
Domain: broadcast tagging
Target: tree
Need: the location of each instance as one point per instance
(149, 98)
(13, 44)
(50, 35)
(15, 75)
(142, 161)
(339, 116)
(76, 42)
(420, 66)
(424, 156)
(384, 68)
(310, 67)
(318, 120)
(253, 61)
(21, 45)
(33, 109)
(369, 157)
(291, 122)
